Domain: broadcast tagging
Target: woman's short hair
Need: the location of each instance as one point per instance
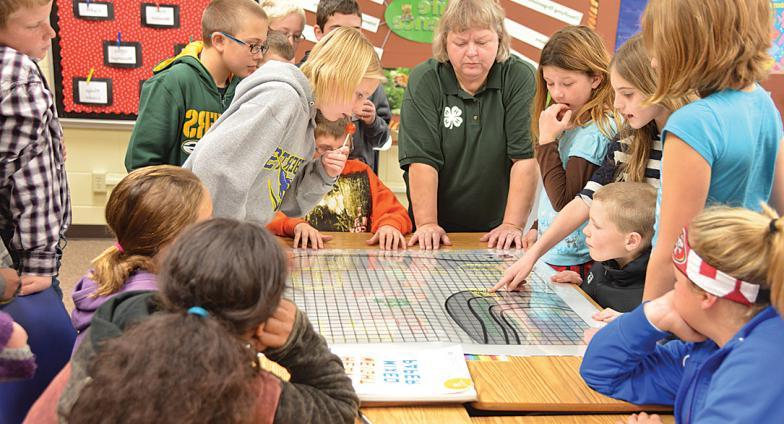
(462, 15)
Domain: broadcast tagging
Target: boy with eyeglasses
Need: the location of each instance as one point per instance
(189, 92)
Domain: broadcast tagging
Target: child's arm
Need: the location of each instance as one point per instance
(562, 185)
(9, 279)
(35, 198)
(376, 133)
(313, 180)
(777, 192)
(685, 182)
(282, 225)
(625, 362)
(568, 220)
(157, 129)
(319, 390)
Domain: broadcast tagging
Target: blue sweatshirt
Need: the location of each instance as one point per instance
(742, 382)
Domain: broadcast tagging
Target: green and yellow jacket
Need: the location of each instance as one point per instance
(177, 107)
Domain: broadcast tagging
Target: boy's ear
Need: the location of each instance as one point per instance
(318, 32)
(218, 41)
(633, 241)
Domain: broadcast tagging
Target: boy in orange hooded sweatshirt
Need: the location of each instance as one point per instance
(359, 202)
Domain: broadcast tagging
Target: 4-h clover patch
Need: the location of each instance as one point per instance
(452, 117)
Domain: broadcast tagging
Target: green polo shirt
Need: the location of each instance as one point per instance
(470, 140)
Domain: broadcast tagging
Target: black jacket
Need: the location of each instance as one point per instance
(619, 289)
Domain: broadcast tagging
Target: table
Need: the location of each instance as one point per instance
(531, 384)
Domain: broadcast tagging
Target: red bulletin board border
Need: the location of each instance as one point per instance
(78, 48)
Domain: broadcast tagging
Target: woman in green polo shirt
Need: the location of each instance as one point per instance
(465, 145)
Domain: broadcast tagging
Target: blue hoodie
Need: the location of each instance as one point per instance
(742, 382)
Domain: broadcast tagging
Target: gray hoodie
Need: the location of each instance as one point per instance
(256, 158)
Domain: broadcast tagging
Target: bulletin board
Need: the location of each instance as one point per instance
(92, 31)
(529, 22)
(115, 44)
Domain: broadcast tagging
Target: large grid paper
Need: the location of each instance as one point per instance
(361, 296)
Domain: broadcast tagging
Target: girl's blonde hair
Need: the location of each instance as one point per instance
(339, 62)
(277, 9)
(707, 45)
(461, 15)
(147, 210)
(632, 64)
(579, 49)
(745, 244)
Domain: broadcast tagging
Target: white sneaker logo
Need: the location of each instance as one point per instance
(452, 117)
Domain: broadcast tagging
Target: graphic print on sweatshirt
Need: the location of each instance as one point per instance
(346, 208)
(196, 124)
(286, 165)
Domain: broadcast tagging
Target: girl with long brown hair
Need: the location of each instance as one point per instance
(634, 155)
(195, 359)
(146, 212)
(571, 123)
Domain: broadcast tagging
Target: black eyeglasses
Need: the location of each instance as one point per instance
(255, 48)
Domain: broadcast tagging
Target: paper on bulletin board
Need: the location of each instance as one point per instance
(411, 372)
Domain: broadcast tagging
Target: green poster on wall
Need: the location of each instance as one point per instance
(415, 20)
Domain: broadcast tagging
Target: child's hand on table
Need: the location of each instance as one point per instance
(304, 233)
(516, 274)
(567, 277)
(606, 315)
(643, 418)
(388, 238)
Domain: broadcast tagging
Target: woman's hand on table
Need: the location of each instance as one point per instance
(430, 237)
(504, 236)
(388, 238)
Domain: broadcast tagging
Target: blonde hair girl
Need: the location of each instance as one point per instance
(572, 133)
(146, 212)
(634, 157)
(251, 155)
(336, 68)
(722, 148)
(726, 263)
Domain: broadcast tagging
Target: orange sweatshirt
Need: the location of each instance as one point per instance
(358, 202)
